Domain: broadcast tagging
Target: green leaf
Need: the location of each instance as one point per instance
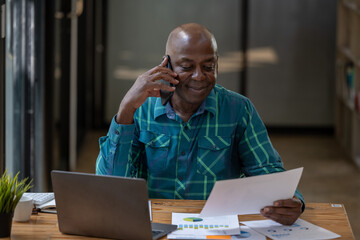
(11, 191)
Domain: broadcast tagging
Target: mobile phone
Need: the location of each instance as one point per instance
(165, 95)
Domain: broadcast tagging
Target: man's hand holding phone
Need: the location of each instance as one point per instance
(146, 85)
(166, 95)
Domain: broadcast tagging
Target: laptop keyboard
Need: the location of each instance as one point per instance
(155, 232)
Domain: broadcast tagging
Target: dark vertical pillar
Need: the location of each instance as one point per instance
(99, 70)
(29, 88)
(49, 70)
(244, 44)
(64, 55)
(91, 63)
(85, 69)
(2, 86)
(40, 171)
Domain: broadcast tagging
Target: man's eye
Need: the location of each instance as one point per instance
(209, 68)
(186, 68)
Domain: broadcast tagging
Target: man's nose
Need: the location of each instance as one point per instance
(198, 74)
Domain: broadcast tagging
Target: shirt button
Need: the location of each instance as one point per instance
(117, 132)
(180, 178)
(182, 153)
(214, 146)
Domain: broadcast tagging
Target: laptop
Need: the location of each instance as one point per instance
(104, 206)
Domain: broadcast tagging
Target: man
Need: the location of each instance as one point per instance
(203, 134)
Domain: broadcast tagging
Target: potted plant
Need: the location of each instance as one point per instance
(11, 191)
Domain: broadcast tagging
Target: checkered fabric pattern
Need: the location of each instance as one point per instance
(224, 139)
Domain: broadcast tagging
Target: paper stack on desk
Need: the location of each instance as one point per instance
(300, 230)
(191, 226)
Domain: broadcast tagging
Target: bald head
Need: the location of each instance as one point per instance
(190, 34)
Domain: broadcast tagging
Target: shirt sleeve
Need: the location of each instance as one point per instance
(120, 152)
(257, 154)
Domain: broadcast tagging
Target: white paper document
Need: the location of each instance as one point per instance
(150, 210)
(300, 230)
(191, 226)
(248, 234)
(249, 195)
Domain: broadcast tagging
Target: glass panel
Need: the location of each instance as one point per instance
(20, 81)
(2, 86)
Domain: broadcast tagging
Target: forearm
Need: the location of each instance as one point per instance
(125, 113)
(115, 150)
(146, 85)
(256, 153)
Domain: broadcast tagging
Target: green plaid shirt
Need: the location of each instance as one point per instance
(224, 139)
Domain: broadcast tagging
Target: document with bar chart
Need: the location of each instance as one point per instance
(191, 226)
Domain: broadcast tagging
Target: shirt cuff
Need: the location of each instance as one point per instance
(303, 205)
(299, 196)
(121, 133)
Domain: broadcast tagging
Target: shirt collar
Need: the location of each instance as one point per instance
(209, 105)
(210, 102)
(159, 108)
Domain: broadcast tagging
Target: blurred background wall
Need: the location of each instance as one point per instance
(290, 52)
(298, 89)
(137, 34)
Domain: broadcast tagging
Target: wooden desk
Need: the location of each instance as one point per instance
(45, 226)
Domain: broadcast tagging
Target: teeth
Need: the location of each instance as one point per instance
(197, 88)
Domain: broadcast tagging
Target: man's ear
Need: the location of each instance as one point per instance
(217, 66)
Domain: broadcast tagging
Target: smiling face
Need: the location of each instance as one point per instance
(193, 55)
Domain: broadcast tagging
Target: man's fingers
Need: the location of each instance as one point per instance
(282, 211)
(156, 86)
(293, 202)
(158, 76)
(280, 218)
(164, 61)
(162, 69)
(154, 93)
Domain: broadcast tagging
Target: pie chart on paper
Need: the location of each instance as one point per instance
(193, 219)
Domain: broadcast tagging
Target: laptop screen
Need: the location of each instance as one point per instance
(102, 206)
